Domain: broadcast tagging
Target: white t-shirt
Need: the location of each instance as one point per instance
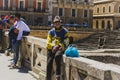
(21, 26)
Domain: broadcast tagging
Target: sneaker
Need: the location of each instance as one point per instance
(12, 64)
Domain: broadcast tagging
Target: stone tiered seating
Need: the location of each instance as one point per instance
(112, 41)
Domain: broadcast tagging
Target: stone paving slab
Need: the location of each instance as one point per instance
(12, 74)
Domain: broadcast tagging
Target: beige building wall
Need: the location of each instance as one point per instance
(80, 7)
(107, 11)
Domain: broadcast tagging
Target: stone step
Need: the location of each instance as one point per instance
(112, 40)
(34, 74)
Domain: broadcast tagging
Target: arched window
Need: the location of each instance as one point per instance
(119, 9)
(97, 24)
(103, 9)
(85, 13)
(108, 24)
(109, 8)
(97, 10)
(103, 24)
(60, 11)
(73, 12)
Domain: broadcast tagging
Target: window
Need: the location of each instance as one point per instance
(6, 4)
(119, 9)
(103, 9)
(30, 3)
(73, 12)
(108, 24)
(109, 8)
(97, 24)
(103, 24)
(14, 3)
(60, 12)
(118, 24)
(97, 10)
(21, 4)
(85, 13)
(39, 6)
(86, 0)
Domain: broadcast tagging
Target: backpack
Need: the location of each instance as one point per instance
(71, 51)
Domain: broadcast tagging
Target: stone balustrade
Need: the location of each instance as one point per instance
(34, 52)
(33, 56)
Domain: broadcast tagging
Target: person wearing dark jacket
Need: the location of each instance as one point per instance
(12, 35)
(57, 41)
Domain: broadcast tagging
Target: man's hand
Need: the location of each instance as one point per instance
(16, 30)
(55, 49)
(61, 48)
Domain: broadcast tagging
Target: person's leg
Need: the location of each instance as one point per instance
(2, 42)
(0, 39)
(50, 58)
(10, 44)
(0, 36)
(58, 59)
(16, 51)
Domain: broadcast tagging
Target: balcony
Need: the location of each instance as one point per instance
(30, 9)
(22, 9)
(39, 10)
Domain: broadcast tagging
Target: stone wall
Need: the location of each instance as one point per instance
(33, 56)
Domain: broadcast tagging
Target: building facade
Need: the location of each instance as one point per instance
(72, 11)
(42, 12)
(34, 11)
(106, 14)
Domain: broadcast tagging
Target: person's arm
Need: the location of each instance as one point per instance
(64, 43)
(49, 42)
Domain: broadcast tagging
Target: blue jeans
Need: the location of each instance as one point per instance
(16, 51)
(10, 43)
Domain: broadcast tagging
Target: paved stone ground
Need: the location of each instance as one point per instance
(12, 74)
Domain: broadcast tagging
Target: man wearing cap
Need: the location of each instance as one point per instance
(57, 41)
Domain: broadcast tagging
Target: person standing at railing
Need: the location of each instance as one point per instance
(3, 22)
(1, 36)
(57, 41)
(12, 36)
(21, 29)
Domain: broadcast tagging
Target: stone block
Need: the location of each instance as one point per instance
(115, 75)
(98, 71)
(42, 75)
(34, 74)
